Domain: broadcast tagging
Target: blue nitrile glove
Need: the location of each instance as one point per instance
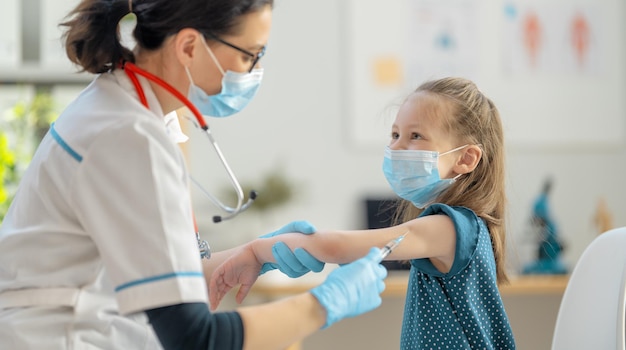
(352, 289)
(293, 264)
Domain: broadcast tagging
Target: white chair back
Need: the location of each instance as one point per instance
(592, 314)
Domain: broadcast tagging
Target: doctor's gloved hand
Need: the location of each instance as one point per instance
(352, 289)
(292, 263)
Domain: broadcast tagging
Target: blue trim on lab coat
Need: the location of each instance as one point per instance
(158, 278)
(64, 145)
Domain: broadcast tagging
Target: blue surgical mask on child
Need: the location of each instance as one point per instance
(414, 175)
(238, 89)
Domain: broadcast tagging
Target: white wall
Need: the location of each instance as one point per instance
(298, 122)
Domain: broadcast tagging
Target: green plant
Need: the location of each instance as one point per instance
(7, 174)
(23, 126)
(273, 191)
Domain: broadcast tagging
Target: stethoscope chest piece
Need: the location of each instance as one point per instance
(203, 247)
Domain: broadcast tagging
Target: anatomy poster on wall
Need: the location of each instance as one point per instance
(555, 69)
(409, 41)
(546, 38)
(443, 39)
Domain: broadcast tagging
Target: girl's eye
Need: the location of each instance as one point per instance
(415, 136)
(395, 136)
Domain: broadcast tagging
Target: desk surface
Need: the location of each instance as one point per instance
(396, 285)
(397, 281)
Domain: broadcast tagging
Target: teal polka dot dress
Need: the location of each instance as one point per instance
(461, 309)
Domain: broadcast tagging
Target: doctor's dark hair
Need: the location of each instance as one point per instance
(472, 119)
(92, 38)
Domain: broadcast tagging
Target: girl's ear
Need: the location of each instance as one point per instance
(469, 160)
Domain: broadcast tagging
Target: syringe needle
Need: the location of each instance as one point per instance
(391, 245)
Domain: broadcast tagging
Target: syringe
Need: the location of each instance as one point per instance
(389, 247)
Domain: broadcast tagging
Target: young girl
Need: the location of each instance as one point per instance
(446, 160)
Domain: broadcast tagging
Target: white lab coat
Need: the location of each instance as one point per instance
(101, 228)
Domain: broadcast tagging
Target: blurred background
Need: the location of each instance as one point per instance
(312, 141)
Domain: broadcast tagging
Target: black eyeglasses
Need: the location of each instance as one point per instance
(255, 58)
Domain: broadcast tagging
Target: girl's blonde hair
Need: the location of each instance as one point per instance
(473, 119)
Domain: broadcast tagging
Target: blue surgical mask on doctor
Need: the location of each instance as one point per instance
(238, 89)
(414, 174)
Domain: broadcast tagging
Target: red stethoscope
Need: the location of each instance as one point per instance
(132, 71)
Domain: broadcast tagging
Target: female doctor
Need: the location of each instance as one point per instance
(98, 249)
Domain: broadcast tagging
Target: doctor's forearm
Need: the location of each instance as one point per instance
(193, 326)
(281, 323)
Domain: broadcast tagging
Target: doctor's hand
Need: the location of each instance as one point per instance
(352, 289)
(292, 263)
